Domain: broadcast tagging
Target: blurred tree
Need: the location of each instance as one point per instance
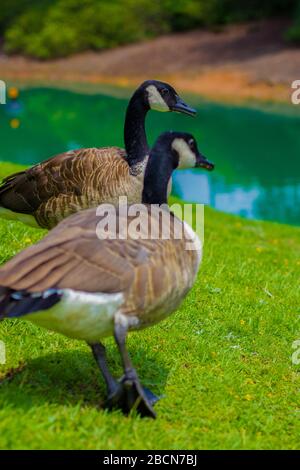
(293, 33)
(12, 9)
(56, 28)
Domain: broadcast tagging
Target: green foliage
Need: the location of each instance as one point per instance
(222, 362)
(57, 28)
(67, 27)
(12, 9)
(293, 33)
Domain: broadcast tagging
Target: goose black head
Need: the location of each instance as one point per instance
(163, 97)
(185, 152)
(171, 150)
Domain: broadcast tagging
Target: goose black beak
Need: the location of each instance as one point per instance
(181, 107)
(202, 162)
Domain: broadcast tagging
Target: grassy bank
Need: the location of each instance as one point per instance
(222, 362)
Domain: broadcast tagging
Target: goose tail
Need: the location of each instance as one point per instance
(14, 192)
(14, 304)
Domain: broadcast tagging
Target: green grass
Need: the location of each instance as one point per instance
(222, 362)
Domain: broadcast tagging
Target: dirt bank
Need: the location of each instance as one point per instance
(243, 62)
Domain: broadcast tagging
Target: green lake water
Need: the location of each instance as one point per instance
(257, 153)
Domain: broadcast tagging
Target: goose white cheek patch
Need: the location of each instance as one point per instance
(156, 101)
(187, 158)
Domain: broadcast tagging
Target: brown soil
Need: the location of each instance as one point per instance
(241, 62)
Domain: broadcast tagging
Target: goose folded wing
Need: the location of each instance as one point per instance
(24, 191)
(71, 256)
(84, 265)
(64, 174)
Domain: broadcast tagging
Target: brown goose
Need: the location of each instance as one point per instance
(77, 284)
(52, 190)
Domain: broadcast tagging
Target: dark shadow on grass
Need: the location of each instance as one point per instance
(72, 377)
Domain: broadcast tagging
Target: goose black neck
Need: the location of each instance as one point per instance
(136, 144)
(157, 175)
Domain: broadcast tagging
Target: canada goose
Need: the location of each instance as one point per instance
(48, 192)
(87, 288)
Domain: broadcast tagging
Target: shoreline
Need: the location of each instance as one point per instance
(123, 88)
(240, 64)
(219, 86)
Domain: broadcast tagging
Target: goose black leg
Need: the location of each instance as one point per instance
(133, 396)
(114, 389)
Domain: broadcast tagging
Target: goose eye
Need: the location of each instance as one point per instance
(165, 92)
(192, 144)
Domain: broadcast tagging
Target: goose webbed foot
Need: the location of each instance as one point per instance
(126, 394)
(132, 396)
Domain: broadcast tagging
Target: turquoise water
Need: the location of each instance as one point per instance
(256, 153)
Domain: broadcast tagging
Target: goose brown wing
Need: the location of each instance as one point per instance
(64, 174)
(71, 256)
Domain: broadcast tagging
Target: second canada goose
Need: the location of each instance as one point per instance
(77, 284)
(48, 192)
